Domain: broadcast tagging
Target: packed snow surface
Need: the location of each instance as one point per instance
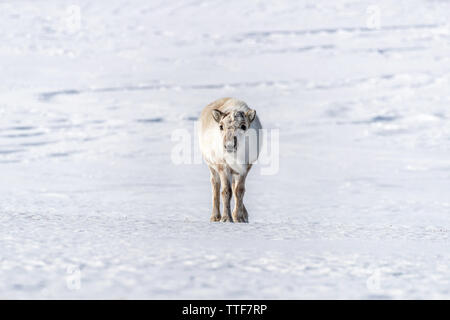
(92, 204)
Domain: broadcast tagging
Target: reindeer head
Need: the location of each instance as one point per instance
(233, 126)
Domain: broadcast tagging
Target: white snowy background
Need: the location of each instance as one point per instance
(92, 206)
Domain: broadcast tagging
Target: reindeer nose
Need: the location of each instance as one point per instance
(230, 145)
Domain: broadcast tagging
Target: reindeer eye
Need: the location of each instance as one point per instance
(243, 127)
(221, 127)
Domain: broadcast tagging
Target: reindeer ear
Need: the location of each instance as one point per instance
(251, 114)
(217, 115)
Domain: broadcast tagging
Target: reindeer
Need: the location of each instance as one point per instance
(230, 143)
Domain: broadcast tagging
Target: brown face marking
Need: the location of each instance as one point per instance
(234, 120)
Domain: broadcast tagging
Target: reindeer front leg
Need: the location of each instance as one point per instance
(224, 174)
(215, 184)
(239, 212)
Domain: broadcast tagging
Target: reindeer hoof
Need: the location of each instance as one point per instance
(240, 219)
(226, 219)
(215, 218)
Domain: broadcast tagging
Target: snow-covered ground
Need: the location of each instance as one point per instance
(92, 205)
